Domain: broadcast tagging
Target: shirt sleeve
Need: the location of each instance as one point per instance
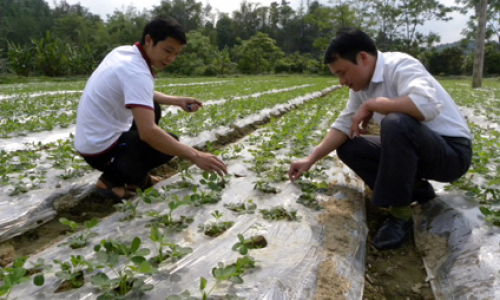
(344, 120)
(412, 79)
(139, 91)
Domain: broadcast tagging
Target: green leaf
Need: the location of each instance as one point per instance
(92, 223)
(203, 283)
(100, 279)
(241, 237)
(102, 257)
(236, 279)
(39, 280)
(143, 252)
(485, 211)
(138, 260)
(145, 268)
(136, 243)
(17, 274)
(19, 262)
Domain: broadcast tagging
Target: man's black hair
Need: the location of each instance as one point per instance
(348, 42)
(161, 28)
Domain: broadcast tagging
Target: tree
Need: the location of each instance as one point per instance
(492, 18)
(125, 27)
(22, 20)
(245, 20)
(398, 21)
(75, 24)
(188, 13)
(224, 29)
(195, 56)
(477, 74)
(258, 54)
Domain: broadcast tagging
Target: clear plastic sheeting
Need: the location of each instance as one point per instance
(461, 249)
(287, 269)
(22, 213)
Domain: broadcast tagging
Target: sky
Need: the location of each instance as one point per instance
(449, 31)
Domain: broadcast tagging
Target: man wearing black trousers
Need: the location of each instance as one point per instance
(422, 132)
(117, 128)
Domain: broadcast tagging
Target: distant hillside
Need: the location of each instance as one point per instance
(469, 49)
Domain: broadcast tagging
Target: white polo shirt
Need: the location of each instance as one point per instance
(398, 74)
(122, 80)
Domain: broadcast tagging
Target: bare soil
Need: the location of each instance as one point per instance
(393, 274)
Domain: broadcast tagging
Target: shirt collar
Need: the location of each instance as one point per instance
(378, 74)
(145, 56)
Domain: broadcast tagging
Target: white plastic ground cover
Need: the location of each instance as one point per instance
(27, 211)
(174, 109)
(463, 261)
(285, 270)
(20, 142)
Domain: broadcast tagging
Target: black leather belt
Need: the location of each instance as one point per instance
(458, 140)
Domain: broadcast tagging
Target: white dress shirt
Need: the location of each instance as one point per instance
(398, 74)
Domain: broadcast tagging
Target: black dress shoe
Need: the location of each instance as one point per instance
(392, 234)
(423, 192)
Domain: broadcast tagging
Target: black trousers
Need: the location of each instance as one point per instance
(131, 159)
(405, 151)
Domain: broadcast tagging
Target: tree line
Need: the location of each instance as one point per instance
(36, 39)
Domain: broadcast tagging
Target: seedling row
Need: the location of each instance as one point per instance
(34, 166)
(229, 222)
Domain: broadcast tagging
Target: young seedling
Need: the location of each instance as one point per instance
(37, 267)
(161, 241)
(309, 200)
(129, 208)
(168, 221)
(214, 182)
(128, 278)
(216, 228)
(72, 272)
(490, 215)
(150, 195)
(242, 208)
(221, 273)
(265, 187)
(79, 240)
(15, 275)
(255, 242)
(231, 273)
(280, 213)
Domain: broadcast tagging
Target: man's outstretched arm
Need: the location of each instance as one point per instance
(153, 135)
(182, 102)
(333, 140)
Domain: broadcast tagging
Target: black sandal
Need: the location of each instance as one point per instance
(108, 191)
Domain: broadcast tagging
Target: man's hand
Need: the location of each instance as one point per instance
(360, 121)
(298, 167)
(210, 163)
(189, 104)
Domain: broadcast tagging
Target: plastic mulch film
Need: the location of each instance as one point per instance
(21, 213)
(461, 249)
(286, 269)
(320, 256)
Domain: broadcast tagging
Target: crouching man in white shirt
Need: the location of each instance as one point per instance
(117, 128)
(423, 134)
